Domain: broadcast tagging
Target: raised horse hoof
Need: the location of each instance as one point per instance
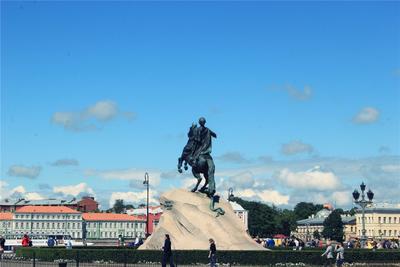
(193, 190)
(180, 170)
(186, 168)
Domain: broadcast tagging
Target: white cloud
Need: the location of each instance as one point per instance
(314, 179)
(233, 157)
(366, 115)
(89, 118)
(133, 197)
(103, 110)
(296, 147)
(297, 94)
(73, 190)
(127, 174)
(268, 196)
(17, 192)
(65, 162)
(189, 183)
(341, 198)
(242, 180)
(391, 168)
(18, 189)
(33, 196)
(24, 171)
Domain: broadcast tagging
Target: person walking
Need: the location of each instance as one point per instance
(2, 246)
(167, 253)
(212, 255)
(328, 254)
(25, 241)
(339, 254)
(50, 242)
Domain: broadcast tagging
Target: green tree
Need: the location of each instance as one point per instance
(119, 206)
(316, 234)
(341, 211)
(262, 218)
(333, 227)
(286, 222)
(303, 210)
(129, 206)
(352, 211)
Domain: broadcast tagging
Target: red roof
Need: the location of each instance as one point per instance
(110, 217)
(4, 216)
(45, 209)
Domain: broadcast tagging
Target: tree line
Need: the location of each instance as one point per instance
(266, 221)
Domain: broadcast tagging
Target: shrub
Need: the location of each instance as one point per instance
(200, 256)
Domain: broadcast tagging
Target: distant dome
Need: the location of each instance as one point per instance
(323, 213)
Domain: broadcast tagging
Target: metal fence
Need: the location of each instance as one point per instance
(10, 260)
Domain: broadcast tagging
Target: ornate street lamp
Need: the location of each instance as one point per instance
(230, 194)
(363, 203)
(146, 182)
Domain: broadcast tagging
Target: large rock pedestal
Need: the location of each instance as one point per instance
(190, 223)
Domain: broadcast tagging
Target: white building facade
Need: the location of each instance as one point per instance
(242, 214)
(110, 226)
(50, 220)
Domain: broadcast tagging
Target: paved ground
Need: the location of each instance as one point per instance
(9, 263)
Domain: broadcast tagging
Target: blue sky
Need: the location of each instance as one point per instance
(304, 97)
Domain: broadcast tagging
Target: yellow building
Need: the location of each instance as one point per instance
(306, 228)
(381, 222)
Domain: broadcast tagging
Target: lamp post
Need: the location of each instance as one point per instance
(363, 203)
(146, 182)
(230, 194)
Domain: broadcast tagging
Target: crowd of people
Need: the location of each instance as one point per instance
(298, 244)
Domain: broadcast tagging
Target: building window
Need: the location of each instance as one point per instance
(390, 219)
(390, 232)
(384, 219)
(394, 219)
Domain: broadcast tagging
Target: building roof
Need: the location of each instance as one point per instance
(320, 221)
(45, 209)
(236, 206)
(143, 211)
(320, 216)
(42, 202)
(382, 208)
(6, 216)
(96, 216)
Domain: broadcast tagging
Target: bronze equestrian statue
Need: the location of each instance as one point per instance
(197, 153)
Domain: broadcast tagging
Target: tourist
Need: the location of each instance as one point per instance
(68, 245)
(339, 254)
(328, 254)
(296, 244)
(2, 246)
(50, 242)
(213, 253)
(26, 241)
(167, 252)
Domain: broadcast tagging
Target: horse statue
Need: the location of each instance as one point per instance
(196, 154)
